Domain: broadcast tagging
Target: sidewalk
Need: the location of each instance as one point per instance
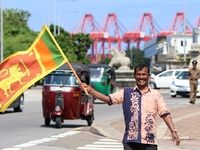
(186, 120)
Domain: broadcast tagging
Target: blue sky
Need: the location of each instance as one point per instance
(128, 12)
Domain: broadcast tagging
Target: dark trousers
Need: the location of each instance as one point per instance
(139, 146)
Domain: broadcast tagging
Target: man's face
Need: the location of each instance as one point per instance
(194, 65)
(142, 76)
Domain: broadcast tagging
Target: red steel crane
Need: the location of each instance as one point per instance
(138, 35)
(110, 33)
(87, 20)
(198, 22)
(115, 30)
(94, 32)
(101, 35)
(177, 22)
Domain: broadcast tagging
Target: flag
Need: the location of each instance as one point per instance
(22, 69)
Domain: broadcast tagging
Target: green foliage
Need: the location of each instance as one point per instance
(106, 61)
(137, 56)
(17, 36)
(161, 41)
(75, 46)
(15, 17)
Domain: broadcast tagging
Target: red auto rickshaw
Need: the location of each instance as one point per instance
(62, 99)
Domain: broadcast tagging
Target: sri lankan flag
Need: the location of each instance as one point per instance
(22, 69)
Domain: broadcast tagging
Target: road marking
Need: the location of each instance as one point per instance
(43, 140)
(103, 144)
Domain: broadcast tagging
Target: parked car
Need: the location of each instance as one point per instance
(18, 104)
(164, 79)
(181, 86)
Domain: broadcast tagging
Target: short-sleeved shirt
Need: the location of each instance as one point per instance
(194, 73)
(140, 112)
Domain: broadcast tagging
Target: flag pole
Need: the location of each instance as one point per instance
(68, 63)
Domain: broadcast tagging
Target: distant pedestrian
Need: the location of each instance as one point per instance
(193, 76)
(140, 106)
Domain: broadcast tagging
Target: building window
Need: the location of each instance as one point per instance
(182, 43)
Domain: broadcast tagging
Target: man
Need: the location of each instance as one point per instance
(111, 79)
(193, 75)
(140, 104)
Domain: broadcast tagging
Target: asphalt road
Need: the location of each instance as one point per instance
(19, 128)
(27, 129)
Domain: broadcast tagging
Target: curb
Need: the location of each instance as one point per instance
(104, 128)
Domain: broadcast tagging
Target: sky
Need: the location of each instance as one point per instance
(69, 13)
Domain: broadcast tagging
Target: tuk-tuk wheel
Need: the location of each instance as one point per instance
(90, 119)
(58, 121)
(47, 121)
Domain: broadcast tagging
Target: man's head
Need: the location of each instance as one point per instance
(142, 75)
(194, 63)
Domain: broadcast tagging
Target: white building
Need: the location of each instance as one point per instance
(153, 47)
(196, 35)
(165, 50)
(177, 41)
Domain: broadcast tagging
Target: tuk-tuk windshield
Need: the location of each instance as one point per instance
(96, 72)
(66, 79)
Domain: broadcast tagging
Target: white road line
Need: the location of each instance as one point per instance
(103, 144)
(107, 143)
(43, 140)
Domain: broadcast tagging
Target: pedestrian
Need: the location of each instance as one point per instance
(140, 106)
(111, 79)
(193, 76)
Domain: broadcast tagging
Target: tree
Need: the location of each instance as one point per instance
(75, 46)
(137, 56)
(106, 61)
(18, 37)
(16, 33)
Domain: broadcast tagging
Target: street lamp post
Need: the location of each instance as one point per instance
(55, 13)
(59, 24)
(184, 41)
(49, 13)
(1, 30)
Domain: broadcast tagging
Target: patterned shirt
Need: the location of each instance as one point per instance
(140, 112)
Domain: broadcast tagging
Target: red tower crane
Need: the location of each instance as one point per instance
(115, 35)
(139, 35)
(100, 35)
(94, 32)
(87, 20)
(177, 22)
(110, 33)
(198, 22)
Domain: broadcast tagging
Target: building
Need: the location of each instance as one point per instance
(169, 52)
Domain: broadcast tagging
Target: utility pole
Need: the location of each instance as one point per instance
(184, 41)
(1, 30)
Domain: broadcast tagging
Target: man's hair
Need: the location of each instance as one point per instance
(141, 66)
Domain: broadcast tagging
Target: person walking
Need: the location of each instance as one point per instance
(193, 76)
(140, 106)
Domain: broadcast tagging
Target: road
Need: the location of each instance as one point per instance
(27, 129)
